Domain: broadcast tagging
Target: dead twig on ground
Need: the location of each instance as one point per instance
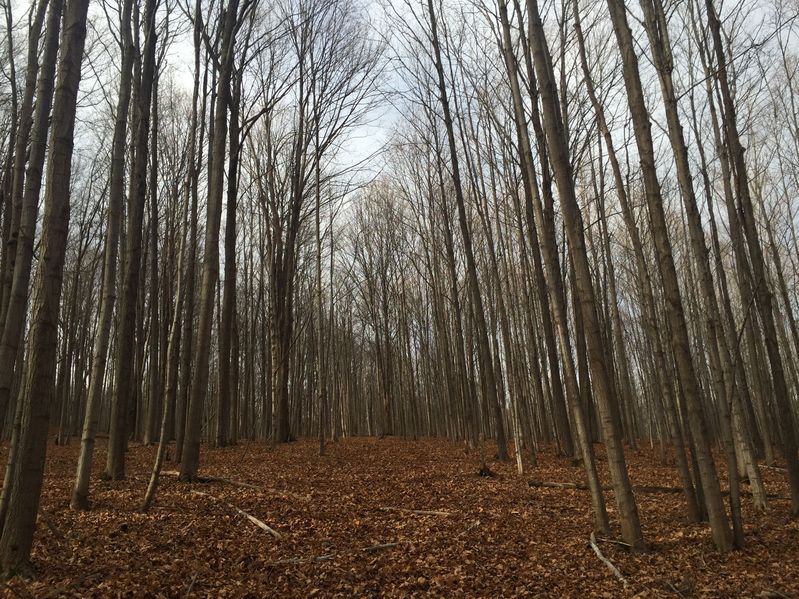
(329, 556)
(191, 585)
(217, 479)
(606, 561)
(303, 560)
(419, 512)
(48, 521)
(675, 589)
(242, 484)
(614, 542)
(379, 546)
(777, 468)
(470, 527)
(259, 523)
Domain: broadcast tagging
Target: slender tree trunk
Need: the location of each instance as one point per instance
(191, 450)
(556, 298)
(489, 384)
(124, 383)
(24, 124)
(654, 345)
(22, 259)
(173, 367)
(321, 370)
(762, 291)
(223, 404)
(37, 392)
(192, 192)
(7, 179)
(559, 157)
(154, 395)
(720, 361)
(679, 331)
(10, 342)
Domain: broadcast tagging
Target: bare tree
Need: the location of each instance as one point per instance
(23, 502)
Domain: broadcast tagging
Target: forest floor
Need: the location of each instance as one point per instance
(346, 529)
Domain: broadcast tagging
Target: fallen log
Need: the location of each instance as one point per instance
(555, 485)
(614, 542)
(329, 556)
(777, 468)
(303, 560)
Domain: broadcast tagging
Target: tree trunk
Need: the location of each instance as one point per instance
(762, 291)
(489, 385)
(37, 392)
(124, 381)
(679, 331)
(603, 388)
(199, 386)
(654, 345)
(223, 404)
(720, 362)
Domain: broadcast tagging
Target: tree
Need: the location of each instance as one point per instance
(679, 331)
(37, 393)
(762, 291)
(489, 386)
(559, 156)
(18, 300)
(191, 449)
(116, 192)
(123, 386)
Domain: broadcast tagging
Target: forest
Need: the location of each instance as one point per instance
(403, 298)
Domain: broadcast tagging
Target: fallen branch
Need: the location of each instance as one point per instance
(217, 479)
(259, 523)
(191, 584)
(420, 512)
(238, 483)
(262, 525)
(606, 561)
(329, 556)
(777, 468)
(379, 547)
(554, 485)
(637, 489)
(303, 560)
(584, 487)
(614, 542)
(48, 521)
(470, 527)
(675, 589)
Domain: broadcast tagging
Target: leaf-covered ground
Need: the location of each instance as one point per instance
(346, 529)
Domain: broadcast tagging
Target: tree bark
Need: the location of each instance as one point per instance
(191, 448)
(602, 385)
(489, 385)
(37, 393)
(679, 331)
(128, 309)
